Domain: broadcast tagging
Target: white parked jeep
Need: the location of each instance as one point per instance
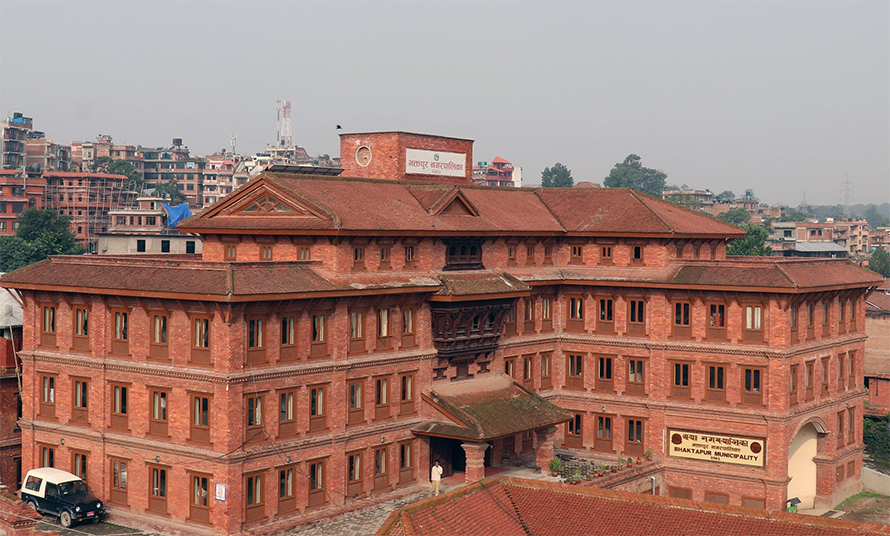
(59, 493)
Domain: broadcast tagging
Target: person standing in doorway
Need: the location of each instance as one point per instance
(436, 476)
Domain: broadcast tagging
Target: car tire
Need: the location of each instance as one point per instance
(33, 504)
(96, 519)
(65, 519)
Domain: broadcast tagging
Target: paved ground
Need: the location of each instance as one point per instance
(103, 529)
(868, 510)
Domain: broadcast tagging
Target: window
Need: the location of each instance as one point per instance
(140, 246)
(696, 252)
(716, 390)
(604, 374)
(157, 498)
(317, 418)
(381, 468)
(157, 418)
(826, 376)
(165, 246)
(826, 326)
(119, 406)
(634, 440)
(407, 394)
(47, 396)
(840, 429)
(79, 464)
(406, 463)
(577, 255)
(381, 398)
(410, 257)
(286, 492)
(407, 327)
(794, 330)
(810, 320)
(545, 371)
(510, 366)
(81, 329)
(574, 432)
(265, 253)
(510, 320)
(851, 426)
(752, 389)
(841, 373)
(753, 502)
(753, 323)
(576, 314)
(118, 481)
(603, 440)
(190, 246)
(201, 340)
(354, 474)
(288, 349)
(303, 253)
(48, 326)
(316, 483)
(717, 321)
(158, 345)
(253, 418)
(636, 319)
(256, 352)
(199, 508)
(529, 316)
(682, 320)
(809, 379)
(679, 493)
(231, 252)
(606, 255)
(529, 254)
(527, 371)
(358, 259)
(792, 384)
(851, 377)
(717, 498)
(80, 400)
(319, 345)
(574, 372)
(384, 329)
(605, 322)
(511, 254)
(546, 316)
(287, 413)
(680, 384)
(120, 336)
(548, 254)
(356, 332)
(635, 377)
(47, 457)
(637, 255)
(253, 498)
(200, 420)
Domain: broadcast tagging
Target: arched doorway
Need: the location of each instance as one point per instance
(802, 467)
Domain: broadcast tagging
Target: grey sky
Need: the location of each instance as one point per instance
(780, 97)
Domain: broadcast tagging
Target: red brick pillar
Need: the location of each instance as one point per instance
(544, 446)
(475, 461)
(497, 452)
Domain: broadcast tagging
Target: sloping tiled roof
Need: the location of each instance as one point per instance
(766, 272)
(519, 507)
(475, 282)
(491, 406)
(373, 206)
(878, 301)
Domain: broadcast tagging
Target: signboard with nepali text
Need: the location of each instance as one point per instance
(421, 162)
(716, 448)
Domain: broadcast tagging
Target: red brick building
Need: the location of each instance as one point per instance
(406, 156)
(339, 334)
(19, 190)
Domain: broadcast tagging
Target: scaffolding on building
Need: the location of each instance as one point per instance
(87, 199)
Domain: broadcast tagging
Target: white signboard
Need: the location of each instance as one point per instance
(716, 448)
(221, 492)
(421, 162)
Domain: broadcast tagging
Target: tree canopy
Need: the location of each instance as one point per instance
(880, 262)
(41, 233)
(753, 243)
(169, 190)
(558, 176)
(735, 216)
(134, 182)
(632, 174)
(874, 218)
(725, 195)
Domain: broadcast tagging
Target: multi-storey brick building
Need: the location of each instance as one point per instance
(19, 190)
(338, 334)
(174, 164)
(142, 228)
(14, 133)
(44, 155)
(10, 399)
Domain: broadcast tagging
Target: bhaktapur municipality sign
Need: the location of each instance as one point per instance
(422, 162)
(716, 448)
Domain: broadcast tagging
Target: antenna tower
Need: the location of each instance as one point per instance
(234, 140)
(278, 123)
(286, 140)
(847, 193)
(804, 207)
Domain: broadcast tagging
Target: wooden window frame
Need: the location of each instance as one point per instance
(603, 440)
(409, 336)
(230, 252)
(794, 323)
(575, 314)
(753, 384)
(287, 489)
(410, 256)
(810, 379)
(201, 340)
(634, 440)
(842, 371)
(158, 488)
(255, 339)
(120, 402)
(679, 390)
(80, 333)
(715, 382)
(530, 254)
(511, 255)
(199, 432)
(266, 253)
(752, 323)
(605, 257)
(120, 332)
(825, 368)
(318, 406)
(358, 259)
(605, 378)
(158, 411)
(287, 412)
(254, 503)
(826, 318)
(546, 362)
(575, 371)
(117, 480)
(528, 371)
(199, 497)
(681, 311)
(407, 386)
(355, 474)
(605, 319)
(47, 455)
(304, 253)
(548, 255)
(355, 401)
(318, 340)
(546, 313)
(851, 373)
(510, 320)
(637, 255)
(574, 432)
(382, 398)
(80, 399)
(159, 339)
(316, 482)
(80, 461)
(635, 383)
(510, 366)
(577, 254)
(793, 384)
(841, 421)
(811, 320)
(381, 468)
(287, 349)
(528, 315)
(851, 425)
(47, 408)
(406, 461)
(636, 317)
(48, 325)
(716, 327)
(254, 418)
(385, 325)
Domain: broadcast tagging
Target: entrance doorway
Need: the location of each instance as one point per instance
(802, 468)
(451, 455)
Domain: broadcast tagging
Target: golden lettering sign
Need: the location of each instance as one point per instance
(716, 448)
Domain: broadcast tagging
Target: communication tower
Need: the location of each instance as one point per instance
(286, 140)
(847, 193)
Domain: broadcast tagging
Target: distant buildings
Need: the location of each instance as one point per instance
(44, 155)
(142, 228)
(499, 173)
(877, 349)
(834, 239)
(19, 190)
(10, 398)
(15, 131)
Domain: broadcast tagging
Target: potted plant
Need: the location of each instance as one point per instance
(576, 476)
(639, 460)
(613, 468)
(648, 454)
(556, 465)
(630, 461)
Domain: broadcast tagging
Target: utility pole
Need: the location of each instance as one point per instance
(847, 194)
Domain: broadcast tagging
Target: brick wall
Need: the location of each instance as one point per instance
(388, 155)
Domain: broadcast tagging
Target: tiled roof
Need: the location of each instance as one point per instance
(475, 283)
(766, 272)
(878, 301)
(490, 407)
(519, 507)
(499, 160)
(371, 206)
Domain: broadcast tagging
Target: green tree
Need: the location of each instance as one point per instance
(793, 215)
(558, 176)
(735, 216)
(725, 196)
(880, 262)
(874, 218)
(41, 233)
(169, 190)
(632, 174)
(753, 243)
(876, 437)
(134, 182)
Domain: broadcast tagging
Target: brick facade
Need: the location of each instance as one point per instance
(385, 155)
(301, 383)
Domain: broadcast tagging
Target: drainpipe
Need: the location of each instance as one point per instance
(652, 480)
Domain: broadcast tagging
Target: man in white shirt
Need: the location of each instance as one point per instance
(436, 476)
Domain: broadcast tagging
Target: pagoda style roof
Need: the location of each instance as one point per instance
(486, 408)
(348, 206)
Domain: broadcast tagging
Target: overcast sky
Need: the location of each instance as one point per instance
(782, 97)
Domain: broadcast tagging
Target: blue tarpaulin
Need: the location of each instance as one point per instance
(176, 214)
